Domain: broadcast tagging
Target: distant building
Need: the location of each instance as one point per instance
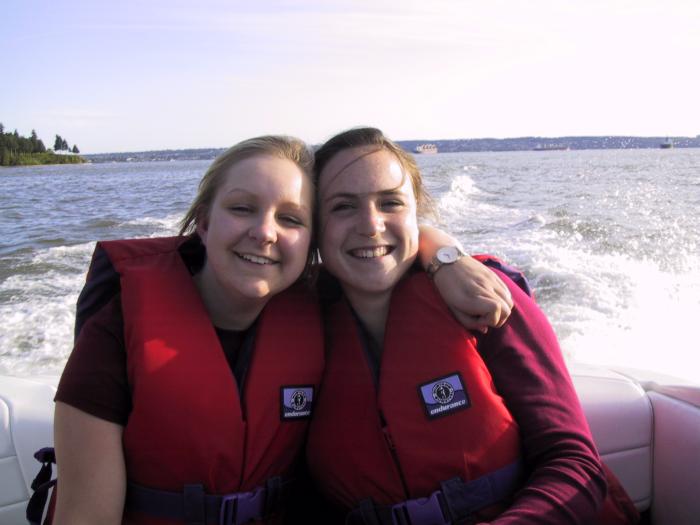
(426, 149)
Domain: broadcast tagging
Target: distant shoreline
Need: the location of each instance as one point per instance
(47, 158)
(443, 146)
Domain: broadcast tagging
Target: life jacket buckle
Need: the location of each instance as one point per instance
(242, 507)
(419, 511)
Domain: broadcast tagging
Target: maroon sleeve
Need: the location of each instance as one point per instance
(566, 482)
(94, 379)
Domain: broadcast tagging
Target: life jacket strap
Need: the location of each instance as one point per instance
(454, 502)
(193, 506)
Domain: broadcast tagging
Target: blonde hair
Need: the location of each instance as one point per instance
(280, 146)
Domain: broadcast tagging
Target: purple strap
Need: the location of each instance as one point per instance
(456, 501)
(194, 507)
(423, 511)
(464, 499)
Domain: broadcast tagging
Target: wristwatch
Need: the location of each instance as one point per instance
(444, 255)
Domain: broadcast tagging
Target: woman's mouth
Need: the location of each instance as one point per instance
(256, 259)
(371, 252)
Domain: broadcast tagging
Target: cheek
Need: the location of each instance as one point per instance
(332, 235)
(325, 242)
(410, 226)
(297, 243)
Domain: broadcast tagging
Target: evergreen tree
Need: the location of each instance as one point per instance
(58, 143)
(11, 141)
(34, 141)
(2, 128)
(64, 145)
(25, 145)
(75, 149)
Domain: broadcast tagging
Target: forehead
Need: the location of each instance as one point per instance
(267, 175)
(363, 170)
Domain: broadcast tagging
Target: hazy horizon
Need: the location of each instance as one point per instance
(184, 75)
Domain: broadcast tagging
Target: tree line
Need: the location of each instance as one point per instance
(17, 150)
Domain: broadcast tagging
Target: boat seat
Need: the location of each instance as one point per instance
(647, 429)
(622, 422)
(26, 425)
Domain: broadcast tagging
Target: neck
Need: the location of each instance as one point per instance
(226, 310)
(373, 310)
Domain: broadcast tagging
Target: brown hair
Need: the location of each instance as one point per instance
(358, 137)
(279, 146)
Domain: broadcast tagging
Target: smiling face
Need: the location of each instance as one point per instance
(257, 230)
(368, 224)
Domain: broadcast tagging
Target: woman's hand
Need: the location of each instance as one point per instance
(91, 471)
(476, 296)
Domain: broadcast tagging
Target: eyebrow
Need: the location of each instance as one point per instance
(352, 195)
(300, 207)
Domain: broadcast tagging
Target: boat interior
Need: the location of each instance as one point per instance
(646, 426)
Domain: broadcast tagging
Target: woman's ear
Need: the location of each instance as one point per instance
(202, 227)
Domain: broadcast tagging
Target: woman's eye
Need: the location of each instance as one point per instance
(291, 219)
(240, 209)
(341, 206)
(392, 204)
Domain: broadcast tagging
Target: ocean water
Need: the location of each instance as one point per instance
(609, 240)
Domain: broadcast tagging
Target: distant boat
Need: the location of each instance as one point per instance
(551, 147)
(667, 144)
(426, 149)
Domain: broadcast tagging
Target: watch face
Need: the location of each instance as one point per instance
(448, 254)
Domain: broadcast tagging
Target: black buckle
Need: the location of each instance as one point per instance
(419, 511)
(242, 507)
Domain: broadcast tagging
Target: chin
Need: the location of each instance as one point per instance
(257, 290)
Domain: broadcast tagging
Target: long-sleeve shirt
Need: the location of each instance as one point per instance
(566, 482)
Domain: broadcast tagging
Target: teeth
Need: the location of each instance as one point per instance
(369, 253)
(255, 259)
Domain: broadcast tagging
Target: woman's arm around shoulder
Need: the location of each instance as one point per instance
(566, 482)
(91, 471)
(477, 297)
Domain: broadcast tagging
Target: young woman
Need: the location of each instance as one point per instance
(189, 387)
(410, 425)
(197, 360)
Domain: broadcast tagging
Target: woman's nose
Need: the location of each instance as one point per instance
(264, 230)
(371, 222)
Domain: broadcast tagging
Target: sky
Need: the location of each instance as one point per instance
(172, 74)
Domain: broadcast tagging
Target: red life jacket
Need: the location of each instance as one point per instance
(188, 424)
(434, 414)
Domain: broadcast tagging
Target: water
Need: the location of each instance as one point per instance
(607, 238)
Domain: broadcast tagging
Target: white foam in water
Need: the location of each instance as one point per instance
(611, 309)
(163, 225)
(608, 308)
(37, 333)
(458, 206)
(647, 321)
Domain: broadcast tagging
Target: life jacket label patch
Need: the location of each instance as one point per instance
(297, 402)
(444, 395)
